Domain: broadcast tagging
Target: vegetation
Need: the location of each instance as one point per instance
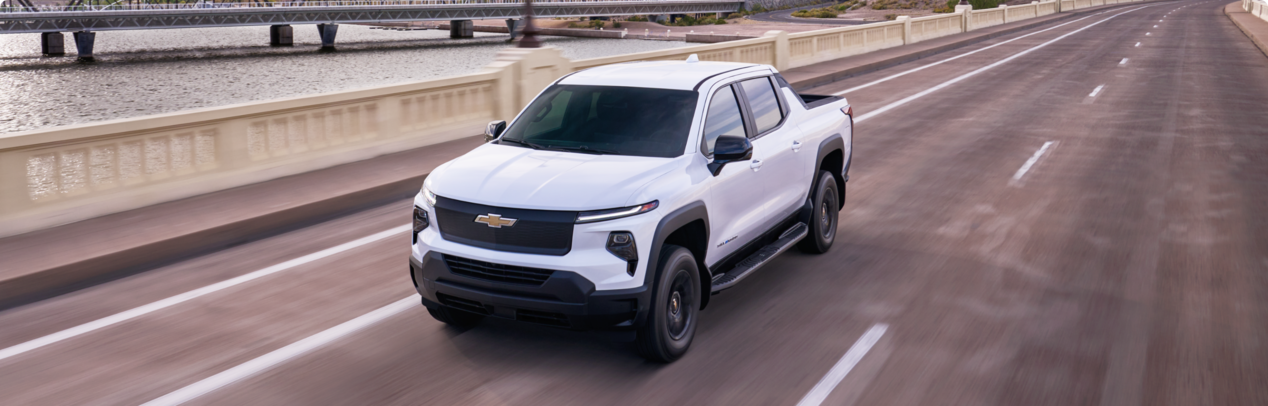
(688, 20)
(595, 24)
(826, 12)
(891, 17)
(637, 19)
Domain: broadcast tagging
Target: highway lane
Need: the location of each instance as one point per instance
(1125, 267)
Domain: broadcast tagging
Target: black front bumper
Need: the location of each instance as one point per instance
(566, 299)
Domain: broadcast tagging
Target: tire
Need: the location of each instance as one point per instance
(823, 216)
(456, 318)
(666, 334)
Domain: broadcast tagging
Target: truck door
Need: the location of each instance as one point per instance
(782, 168)
(736, 193)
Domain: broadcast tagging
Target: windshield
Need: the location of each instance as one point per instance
(606, 120)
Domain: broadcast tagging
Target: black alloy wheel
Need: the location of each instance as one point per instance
(671, 320)
(823, 218)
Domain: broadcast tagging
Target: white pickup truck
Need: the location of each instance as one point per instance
(624, 196)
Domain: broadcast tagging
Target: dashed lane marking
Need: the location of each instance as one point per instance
(1096, 91)
(851, 358)
(1031, 162)
(1122, 62)
(191, 295)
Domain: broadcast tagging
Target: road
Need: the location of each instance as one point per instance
(1125, 265)
(785, 16)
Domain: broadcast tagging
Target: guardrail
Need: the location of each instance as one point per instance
(1256, 8)
(65, 174)
(50, 8)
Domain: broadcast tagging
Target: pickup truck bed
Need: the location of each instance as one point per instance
(814, 100)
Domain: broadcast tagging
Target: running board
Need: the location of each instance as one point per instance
(746, 266)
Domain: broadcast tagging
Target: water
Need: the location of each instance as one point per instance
(139, 73)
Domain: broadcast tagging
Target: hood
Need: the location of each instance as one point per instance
(507, 176)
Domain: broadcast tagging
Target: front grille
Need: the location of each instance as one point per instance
(547, 318)
(497, 272)
(542, 232)
(462, 304)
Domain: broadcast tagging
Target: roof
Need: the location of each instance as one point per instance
(680, 75)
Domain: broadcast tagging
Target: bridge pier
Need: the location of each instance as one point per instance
(52, 44)
(281, 35)
(512, 26)
(83, 44)
(327, 33)
(461, 29)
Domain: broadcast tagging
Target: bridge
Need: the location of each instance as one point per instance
(83, 20)
(1052, 204)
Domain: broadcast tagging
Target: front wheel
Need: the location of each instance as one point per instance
(823, 217)
(671, 321)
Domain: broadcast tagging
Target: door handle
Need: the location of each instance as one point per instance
(796, 146)
(755, 165)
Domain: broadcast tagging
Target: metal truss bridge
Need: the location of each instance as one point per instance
(23, 18)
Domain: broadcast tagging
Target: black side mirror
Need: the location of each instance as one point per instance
(727, 149)
(493, 130)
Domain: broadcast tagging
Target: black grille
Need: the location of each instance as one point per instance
(462, 304)
(534, 232)
(547, 318)
(497, 272)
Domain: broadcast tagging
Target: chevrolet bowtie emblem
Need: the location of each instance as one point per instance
(495, 220)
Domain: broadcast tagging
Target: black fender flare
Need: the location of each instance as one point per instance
(672, 222)
(834, 142)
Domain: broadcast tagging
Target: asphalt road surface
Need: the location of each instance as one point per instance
(785, 16)
(1125, 264)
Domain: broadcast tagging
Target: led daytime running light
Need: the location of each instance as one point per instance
(603, 215)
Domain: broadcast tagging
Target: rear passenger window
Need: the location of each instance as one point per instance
(723, 118)
(761, 98)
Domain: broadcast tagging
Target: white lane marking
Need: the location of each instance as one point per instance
(1123, 62)
(1147, 33)
(1137, 44)
(887, 78)
(1155, 26)
(1031, 162)
(190, 295)
(281, 355)
(942, 85)
(851, 358)
(1096, 91)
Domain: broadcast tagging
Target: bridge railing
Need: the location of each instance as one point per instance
(1257, 8)
(49, 8)
(65, 174)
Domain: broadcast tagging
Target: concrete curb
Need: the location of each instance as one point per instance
(268, 208)
(1254, 28)
(915, 51)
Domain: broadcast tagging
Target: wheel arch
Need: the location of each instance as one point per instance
(688, 227)
(832, 159)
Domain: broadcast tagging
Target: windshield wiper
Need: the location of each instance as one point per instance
(583, 149)
(524, 143)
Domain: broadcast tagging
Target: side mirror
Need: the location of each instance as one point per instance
(730, 148)
(493, 130)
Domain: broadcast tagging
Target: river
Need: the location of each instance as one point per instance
(146, 72)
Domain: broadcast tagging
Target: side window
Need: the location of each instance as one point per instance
(549, 118)
(762, 100)
(723, 118)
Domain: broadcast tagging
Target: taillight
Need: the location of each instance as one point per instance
(848, 110)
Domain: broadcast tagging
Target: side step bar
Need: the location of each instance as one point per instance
(746, 266)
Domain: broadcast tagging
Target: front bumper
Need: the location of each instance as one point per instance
(566, 299)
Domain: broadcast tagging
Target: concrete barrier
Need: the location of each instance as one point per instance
(66, 174)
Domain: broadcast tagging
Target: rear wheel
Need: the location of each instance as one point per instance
(823, 217)
(456, 318)
(671, 321)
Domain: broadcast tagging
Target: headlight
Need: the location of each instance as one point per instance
(621, 244)
(429, 196)
(421, 221)
(609, 214)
